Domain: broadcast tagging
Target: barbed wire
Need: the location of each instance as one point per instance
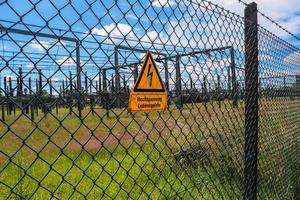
(272, 21)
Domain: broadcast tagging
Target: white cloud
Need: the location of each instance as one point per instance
(42, 45)
(119, 33)
(159, 3)
(149, 36)
(114, 30)
(54, 78)
(29, 66)
(66, 61)
(292, 62)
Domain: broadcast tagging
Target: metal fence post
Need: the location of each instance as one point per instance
(251, 102)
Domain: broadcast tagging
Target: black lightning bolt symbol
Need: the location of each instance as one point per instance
(150, 74)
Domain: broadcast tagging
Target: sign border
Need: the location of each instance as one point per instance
(136, 89)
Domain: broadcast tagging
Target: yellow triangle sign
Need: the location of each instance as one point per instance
(149, 92)
(149, 79)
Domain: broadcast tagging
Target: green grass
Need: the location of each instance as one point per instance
(140, 172)
(133, 156)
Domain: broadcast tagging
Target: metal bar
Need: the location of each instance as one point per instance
(40, 82)
(234, 93)
(90, 86)
(219, 90)
(63, 88)
(104, 85)
(283, 76)
(11, 92)
(86, 82)
(24, 32)
(78, 71)
(71, 82)
(50, 83)
(112, 83)
(5, 86)
(18, 86)
(117, 77)
(135, 73)
(204, 90)
(166, 74)
(168, 57)
(178, 83)
(191, 81)
(78, 67)
(32, 101)
(124, 81)
(99, 80)
(21, 81)
(251, 102)
(3, 112)
(139, 50)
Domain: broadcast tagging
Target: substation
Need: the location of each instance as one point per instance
(193, 76)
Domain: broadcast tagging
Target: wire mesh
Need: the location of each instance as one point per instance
(67, 68)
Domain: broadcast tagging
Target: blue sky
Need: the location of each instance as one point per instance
(160, 25)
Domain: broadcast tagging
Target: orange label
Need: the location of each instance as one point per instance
(147, 102)
(149, 92)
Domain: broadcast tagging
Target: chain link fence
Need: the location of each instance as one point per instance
(231, 129)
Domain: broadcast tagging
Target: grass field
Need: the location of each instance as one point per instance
(123, 155)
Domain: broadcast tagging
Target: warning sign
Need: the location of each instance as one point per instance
(149, 93)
